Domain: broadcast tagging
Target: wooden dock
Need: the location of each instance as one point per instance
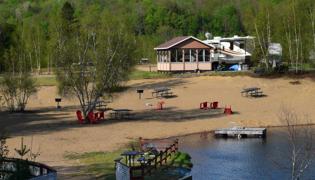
(241, 132)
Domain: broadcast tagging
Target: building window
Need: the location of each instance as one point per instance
(179, 55)
(200, 55)
(187, 55)
(207, 55)
(192, 55)
(174, 55)
(159, 56)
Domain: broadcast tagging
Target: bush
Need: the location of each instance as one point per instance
(283, 68)
(16, 90)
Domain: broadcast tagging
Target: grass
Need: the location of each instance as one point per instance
(45, 80)
(98, 164)
(137, 74)
(51, 80)
(101, 165)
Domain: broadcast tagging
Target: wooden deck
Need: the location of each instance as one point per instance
(241, 132)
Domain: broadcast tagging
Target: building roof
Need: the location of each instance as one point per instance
(177, 40)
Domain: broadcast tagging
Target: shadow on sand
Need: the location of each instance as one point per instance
(48, 120)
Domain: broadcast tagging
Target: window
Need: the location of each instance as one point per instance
(174, 55)
(207, 55)
(187, 55)
(159, 56)
(200, 55)
(179, 55)
(193, 55)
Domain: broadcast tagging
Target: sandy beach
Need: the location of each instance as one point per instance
(56, 132)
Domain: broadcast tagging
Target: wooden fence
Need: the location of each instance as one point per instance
(38, 171)
(148, 165)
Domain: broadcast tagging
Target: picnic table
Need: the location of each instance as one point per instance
(130, 156)
(100, 104)
(252, 91)
(120, 113)
(162, 92)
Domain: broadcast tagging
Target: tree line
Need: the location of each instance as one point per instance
(289, 22)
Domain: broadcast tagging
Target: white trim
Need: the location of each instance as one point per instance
(210, 45)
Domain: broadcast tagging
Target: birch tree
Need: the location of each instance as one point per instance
(17, 84)
(301, 151)
(93, 60)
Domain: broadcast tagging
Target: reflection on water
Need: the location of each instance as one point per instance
(244, 159)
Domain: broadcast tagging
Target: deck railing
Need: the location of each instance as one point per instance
(145, 168)
(38, 171)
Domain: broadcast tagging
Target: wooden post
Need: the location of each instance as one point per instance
(155, 162)
(189, 55)
(197, 59)
(142, 170)
(183, 57)
(161, 157)
(176, 55)
(149, 167)
(166, 155)
(131, 172)
(169, 60)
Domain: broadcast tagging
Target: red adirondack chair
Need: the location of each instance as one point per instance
(160, 105)
(96, 116)
(80, 117)
(102, 116)
(204, 105)
(214, 105)
(228, 111)
(92, 118)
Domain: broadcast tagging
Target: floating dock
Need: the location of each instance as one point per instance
(241, 132)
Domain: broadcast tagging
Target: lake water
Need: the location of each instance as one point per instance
(241, 159)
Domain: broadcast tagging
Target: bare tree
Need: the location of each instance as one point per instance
(264, 39)
(93, 61)
(17, 84)
(312, 18)
(300, 139)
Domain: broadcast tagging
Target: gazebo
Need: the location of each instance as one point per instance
(184, 53)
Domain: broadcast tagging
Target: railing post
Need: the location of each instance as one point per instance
(142, 170)
(166, 155)
(161, 157)
(149, 167)
(131, 173)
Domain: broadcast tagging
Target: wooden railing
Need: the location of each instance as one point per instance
(151, 164)
(37, 170)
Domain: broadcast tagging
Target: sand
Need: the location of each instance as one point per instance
(56, 132)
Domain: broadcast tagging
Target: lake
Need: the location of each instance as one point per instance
(241, 159)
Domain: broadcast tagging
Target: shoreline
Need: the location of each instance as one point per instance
(212, 131)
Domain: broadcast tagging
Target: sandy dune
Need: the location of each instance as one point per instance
(55, 132)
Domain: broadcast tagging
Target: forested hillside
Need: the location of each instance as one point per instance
(34, 24)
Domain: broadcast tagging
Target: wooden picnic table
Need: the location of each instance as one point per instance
(130, 156)
(252, 91)
(121, 113)
(162, 92)
(100, 104)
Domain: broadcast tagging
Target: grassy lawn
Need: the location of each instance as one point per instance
(138, 74)
(101, 165)
(98, 164)
(45, 80)
(51, 80)
(147, 75)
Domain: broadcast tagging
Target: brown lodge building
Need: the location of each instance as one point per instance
(187, 53)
